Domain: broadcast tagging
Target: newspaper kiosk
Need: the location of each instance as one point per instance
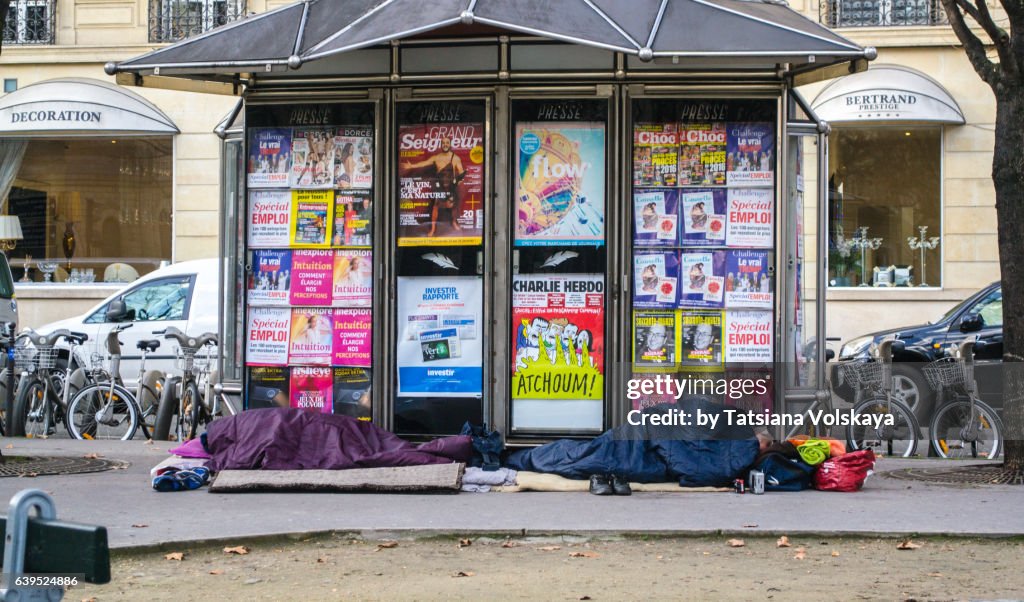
(483, 211)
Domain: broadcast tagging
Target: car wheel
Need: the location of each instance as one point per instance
(910, 387)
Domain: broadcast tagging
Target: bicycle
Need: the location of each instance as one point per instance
(108, 410)
(181, 393)
(961, 425)
(44, 389)
(880, 421)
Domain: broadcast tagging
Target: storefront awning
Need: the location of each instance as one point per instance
(74, 106)
(288, 37)
(887, 93)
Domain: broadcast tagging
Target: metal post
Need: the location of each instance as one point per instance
(15, 544)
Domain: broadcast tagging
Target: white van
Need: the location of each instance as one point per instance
(183, 295)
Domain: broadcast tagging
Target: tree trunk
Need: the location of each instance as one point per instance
(1008, 177)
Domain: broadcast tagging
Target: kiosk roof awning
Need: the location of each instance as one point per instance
(765, 30)
(78, 106)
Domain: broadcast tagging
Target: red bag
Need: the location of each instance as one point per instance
(844, 473)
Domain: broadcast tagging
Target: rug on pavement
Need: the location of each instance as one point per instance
(438, 478)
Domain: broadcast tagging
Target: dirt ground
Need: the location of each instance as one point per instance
(564, 568)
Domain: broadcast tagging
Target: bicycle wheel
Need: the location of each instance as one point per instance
(32, 415)
(103, 411)
(149, 400)
(889, 428)
(166, 409)
(192, 410)
(956, 432)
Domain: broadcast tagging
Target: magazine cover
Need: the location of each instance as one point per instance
(702, 154)
(423, 343)
(269, 218)
(655, 218)
(559, 188)
(266, 341)
(269, 157)
(312, 336)
(312, 389)
(270, 277)
(353, 158)
(312, 158)
(747, 283)
(267, 387)
(751, 218)
(440, 174)
(656, 279)
(352, 278)
(655, 339)
(702, 278)
(312, 211)
(558, 336)
(353, 343)
(312, 270)
(352, 388)
(751, 160)
(352, 219)
(748, 336)
(701, 338)
(655, 154)
(702, 213)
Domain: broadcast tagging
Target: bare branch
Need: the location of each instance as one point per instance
(1015, 11)
(974, 47)
(1000, 39)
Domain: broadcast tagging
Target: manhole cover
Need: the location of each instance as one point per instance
(33, 466)
(971, 474)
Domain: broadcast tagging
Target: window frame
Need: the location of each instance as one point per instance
(20, 9)
(941, 208)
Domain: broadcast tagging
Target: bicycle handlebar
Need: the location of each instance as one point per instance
(184, 340)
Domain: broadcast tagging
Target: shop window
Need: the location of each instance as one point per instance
(885, 201)
(30, 22)
(85, 204)
(172, 20)
(881, 13)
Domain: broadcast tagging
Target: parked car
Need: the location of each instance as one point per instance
(979, 315)
(183, 295)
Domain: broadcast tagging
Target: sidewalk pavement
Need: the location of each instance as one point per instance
(119, 499)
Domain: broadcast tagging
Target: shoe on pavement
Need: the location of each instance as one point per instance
(599, 485)
(620, 485)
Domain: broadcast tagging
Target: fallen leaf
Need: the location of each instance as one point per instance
(465, 543)
(549, 548)
(216, 572)
(139, 526)
(175, 556)
(509, 544)
(584, 555)
(584, 598)
(9, 446)
(320, 561)
(750, 525)
(464, 574)
(92, 456)
(387, 545)
(935, 574)
(801, 553)
(835, 553)
(88, 599)
(908, 545)
(659, 557)
(240, 550)
(735, 543)
(783, 542)
(149, 442)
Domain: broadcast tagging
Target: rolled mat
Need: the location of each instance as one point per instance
(814, 451)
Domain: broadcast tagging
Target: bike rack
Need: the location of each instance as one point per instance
(15, 545)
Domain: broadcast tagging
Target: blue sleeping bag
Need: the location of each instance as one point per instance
(695, 456)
